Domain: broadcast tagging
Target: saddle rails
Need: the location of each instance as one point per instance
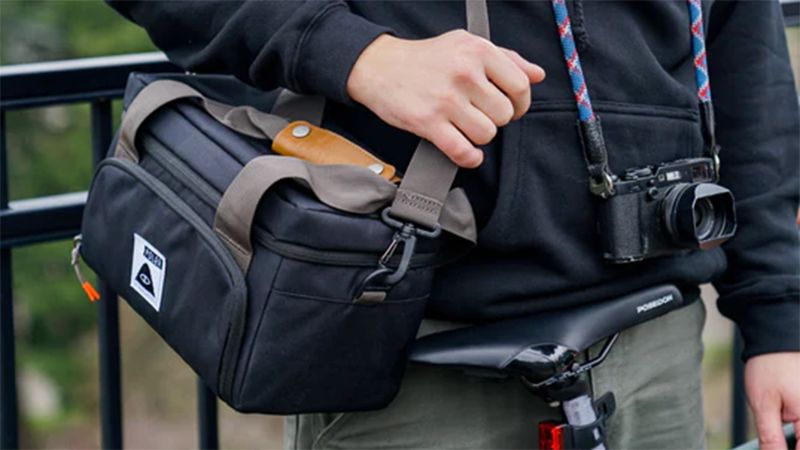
(545, 351)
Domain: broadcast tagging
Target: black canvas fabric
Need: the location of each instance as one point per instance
(538, 249)
(286, 336)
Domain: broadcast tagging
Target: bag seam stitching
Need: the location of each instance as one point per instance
(348, 302)
(230, 241)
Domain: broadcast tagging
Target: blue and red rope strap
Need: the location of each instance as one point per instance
(570, 51)
(699, 51)
(573, 60)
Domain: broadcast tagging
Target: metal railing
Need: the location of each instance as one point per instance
(98, 81)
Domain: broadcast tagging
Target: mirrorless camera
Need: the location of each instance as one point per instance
(657, 210)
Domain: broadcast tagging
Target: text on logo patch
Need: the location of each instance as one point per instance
(148, 269)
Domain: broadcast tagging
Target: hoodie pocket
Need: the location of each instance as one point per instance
(544, 204)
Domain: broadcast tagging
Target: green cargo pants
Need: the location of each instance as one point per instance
(653, 370)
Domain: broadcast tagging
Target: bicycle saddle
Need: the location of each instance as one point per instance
(543, 345)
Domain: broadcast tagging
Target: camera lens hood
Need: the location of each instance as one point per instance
(699, 215)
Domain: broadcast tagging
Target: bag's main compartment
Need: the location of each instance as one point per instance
(283, 334)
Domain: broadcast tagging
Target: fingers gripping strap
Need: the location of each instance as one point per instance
(347, 188)
(243, 119)
(430, 173)
(310, 108)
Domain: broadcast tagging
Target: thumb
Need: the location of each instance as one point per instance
(767, 414)
(534, 72)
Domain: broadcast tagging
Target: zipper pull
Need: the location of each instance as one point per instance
(75, 258)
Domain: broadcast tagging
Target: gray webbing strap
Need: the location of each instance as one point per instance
(243, 119)
(430, 173)
(299, 107)
(348, 188)
(422, 192)
(478, 18)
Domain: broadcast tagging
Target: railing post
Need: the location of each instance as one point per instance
(9, 428)
(739, 424)
(208, 436)
(108, 309)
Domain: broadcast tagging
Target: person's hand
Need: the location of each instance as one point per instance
(453, 90)
(772, 382)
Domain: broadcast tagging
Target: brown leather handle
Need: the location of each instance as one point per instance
(305, 141)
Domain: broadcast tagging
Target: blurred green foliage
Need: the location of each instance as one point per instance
(49, 152)
(40, 30)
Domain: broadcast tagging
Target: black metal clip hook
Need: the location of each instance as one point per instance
(405, 237)
(380, 281)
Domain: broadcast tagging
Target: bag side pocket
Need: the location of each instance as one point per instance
(333, 353)
(180, 278)
(317, 350)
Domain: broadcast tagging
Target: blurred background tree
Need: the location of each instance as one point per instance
(49, 153)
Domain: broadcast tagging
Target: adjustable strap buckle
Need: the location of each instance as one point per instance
(708, 124)
(604, 187)
(601, 182)
(377, 284)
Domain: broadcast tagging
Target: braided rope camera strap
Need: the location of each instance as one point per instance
(589, 123)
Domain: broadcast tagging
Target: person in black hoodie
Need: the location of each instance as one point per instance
(396, 71)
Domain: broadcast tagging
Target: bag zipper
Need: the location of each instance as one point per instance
(210, 196)
(235, 330)
(75, 262)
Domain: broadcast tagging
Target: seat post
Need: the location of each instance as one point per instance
(586, 419)
(580, 411)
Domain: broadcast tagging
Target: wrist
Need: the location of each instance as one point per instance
(366, 70)
(324, 57)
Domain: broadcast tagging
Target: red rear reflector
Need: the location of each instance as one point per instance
(551, 436)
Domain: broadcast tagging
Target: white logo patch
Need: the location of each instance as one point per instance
(147, 271)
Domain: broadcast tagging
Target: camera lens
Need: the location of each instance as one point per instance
(699, 215)
(704, 218)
